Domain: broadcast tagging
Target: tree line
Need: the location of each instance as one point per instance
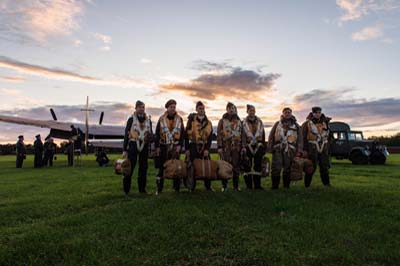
(389, 141)
(9, 149)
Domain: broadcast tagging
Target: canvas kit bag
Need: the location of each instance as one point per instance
(122, 167)
(175, 169)
(205, 169)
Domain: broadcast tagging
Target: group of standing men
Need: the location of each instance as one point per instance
(240, 142)
(43, 153)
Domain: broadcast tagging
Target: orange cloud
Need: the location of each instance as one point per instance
(41, 71)
(39, 20)
(13, 79)
(55, 73)
(235, 83)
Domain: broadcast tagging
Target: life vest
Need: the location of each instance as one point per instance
(285, 136)
(254, 134)
(231, 130)
(139, 131)
(200, 131)
(170, 130)
(318, 134)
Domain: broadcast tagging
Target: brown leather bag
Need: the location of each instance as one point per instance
(225, 169)
(205, 169)
(296, 169)
(175, 169)
(122, 167)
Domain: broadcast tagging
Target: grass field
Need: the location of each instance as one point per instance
(79, 216)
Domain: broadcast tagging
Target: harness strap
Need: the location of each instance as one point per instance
(320, 145)
(286, 146)
(254, 151)
(253, 173)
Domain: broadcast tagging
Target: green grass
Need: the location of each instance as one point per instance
(79, 216)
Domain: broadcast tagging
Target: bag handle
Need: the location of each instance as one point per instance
(204, 168)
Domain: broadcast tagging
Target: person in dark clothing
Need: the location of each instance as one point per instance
(316, 144)
(20, 151)
(137, 141)
(49, 151)
(169, 140)
(69, 150)
(198, 139)
(284, 142)
(38, 150)
(254, 137)
(101, 157)
(76, 136)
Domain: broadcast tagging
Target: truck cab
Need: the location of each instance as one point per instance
(349, 144)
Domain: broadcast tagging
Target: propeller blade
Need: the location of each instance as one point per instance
(53, 114)
(101, 118)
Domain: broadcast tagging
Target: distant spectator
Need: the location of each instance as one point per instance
(20, 151)
(101, 157)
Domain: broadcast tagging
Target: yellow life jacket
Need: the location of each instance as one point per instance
(318, 134)
(199, 133)
(231, 130)
(170, 130)
(286, 136)
(253, 131)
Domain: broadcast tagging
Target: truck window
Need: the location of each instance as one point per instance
(355, 136)
(339, 135)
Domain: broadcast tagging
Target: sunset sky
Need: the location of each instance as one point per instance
(343, 55)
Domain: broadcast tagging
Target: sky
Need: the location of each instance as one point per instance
(342, 55)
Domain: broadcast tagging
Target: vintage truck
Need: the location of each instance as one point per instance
(349, 144)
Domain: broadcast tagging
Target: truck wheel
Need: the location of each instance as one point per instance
(377, 158)
(357, 157)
